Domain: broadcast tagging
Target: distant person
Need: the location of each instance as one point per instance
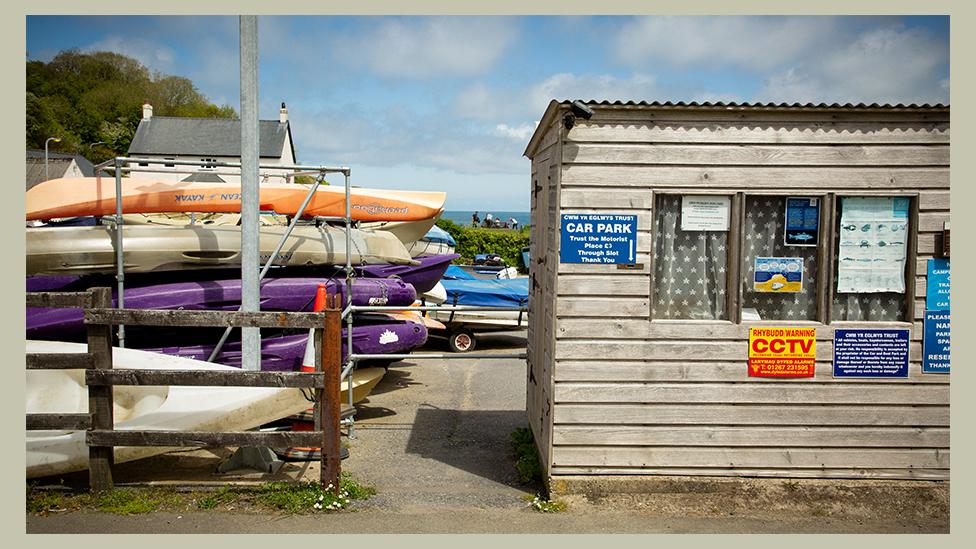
(475, 220)
(498, 223)
(514, 223)
(488, 220)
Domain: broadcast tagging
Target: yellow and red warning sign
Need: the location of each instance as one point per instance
(782, 352)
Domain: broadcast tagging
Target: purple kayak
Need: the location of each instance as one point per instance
(381, 335)
(422, 277)
(277, 294)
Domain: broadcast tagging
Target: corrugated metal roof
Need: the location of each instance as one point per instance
(733, 105)
(557, 105)
(162, 135)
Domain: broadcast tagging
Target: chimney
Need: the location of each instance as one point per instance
(283, 113)
(146, 111)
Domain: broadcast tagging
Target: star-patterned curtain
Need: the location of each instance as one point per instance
(763, 236)
(689, 267)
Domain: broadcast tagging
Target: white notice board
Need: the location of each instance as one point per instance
(705, 213)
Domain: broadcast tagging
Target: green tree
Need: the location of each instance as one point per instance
(85, 98)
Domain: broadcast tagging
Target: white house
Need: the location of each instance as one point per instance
(163, 138)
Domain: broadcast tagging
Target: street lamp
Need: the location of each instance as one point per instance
(49, 139)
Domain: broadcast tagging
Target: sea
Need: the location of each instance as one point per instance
(463, 217)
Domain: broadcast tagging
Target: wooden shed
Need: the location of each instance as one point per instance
(644, 366)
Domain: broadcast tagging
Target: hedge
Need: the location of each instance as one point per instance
(507, 243)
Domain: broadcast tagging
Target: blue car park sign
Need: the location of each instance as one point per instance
(871, 353)
(598, 239)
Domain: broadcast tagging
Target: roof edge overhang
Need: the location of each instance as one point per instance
(554, 108)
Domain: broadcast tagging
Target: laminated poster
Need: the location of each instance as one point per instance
(873, 242)
(778, 274)
(802, 222)
(705, 213)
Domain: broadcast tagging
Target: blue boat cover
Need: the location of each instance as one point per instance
(487, 293)
(454, 272)
(439, 235)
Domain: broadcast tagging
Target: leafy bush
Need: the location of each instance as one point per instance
(527, 459)
(507, 243)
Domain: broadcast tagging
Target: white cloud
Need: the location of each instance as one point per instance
(153, 55)
(886, 65)
(521, 133)
(601, 87)
(755, 43)
(428, 48)
(353, 135)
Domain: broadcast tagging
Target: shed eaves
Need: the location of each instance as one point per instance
(555, 105)
(162, 135)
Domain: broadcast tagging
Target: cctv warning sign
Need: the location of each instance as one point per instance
(782, 352)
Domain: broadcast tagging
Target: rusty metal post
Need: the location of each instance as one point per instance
(328, 408)
(100, 458)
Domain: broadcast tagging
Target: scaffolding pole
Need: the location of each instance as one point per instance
(250, 260)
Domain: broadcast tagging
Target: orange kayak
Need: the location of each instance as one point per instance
(81, 196)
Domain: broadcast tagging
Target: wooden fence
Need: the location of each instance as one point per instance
(100, 378)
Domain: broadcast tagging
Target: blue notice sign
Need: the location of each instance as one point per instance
(937, 286)
(935, 343)
(871, 353)
(802, 221)
(598, 238)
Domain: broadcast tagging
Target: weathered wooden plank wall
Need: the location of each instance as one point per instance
(636, 396)
(542, 294)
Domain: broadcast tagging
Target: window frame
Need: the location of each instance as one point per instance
(826, 254)
(731, 267)
(911, 253)
(822, 226)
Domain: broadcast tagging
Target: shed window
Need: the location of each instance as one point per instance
(770, 296)
(871, 246)
(690, 267)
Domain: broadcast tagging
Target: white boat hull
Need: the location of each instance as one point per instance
(146, 248)
(141, 407)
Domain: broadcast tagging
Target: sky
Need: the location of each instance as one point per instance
(449, 103)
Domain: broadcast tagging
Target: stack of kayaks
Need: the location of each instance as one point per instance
(181, 250)
(437, 241)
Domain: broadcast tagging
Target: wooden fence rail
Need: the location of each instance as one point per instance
(101, 377)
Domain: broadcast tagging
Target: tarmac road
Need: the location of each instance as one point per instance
(433, 439)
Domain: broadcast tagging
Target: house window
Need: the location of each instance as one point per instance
(690, 266)
(873, 255)
(779, 276)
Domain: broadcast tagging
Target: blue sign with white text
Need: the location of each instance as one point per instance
(871, 353)
(802, 221)
(598, 239)
(937, 286)
(935, 343)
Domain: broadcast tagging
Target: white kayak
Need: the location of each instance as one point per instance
(141, 407)
(80, 250)
(435, 296)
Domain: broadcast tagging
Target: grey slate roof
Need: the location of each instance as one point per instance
(204, 177)
(86, 167)
(57, 165)
(162, 135)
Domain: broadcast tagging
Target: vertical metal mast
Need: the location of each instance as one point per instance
(250, 261)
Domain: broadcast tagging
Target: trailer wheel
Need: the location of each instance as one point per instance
(461, 340)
